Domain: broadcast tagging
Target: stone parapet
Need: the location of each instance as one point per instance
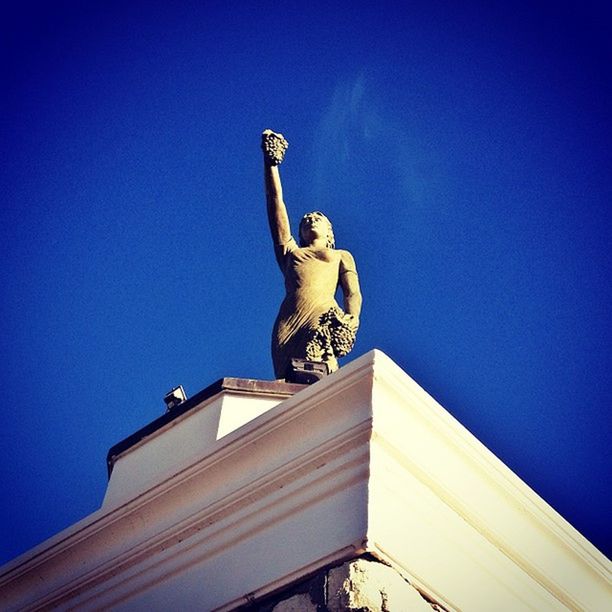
(177, 439)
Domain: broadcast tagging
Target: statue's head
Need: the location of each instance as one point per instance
(314, 219)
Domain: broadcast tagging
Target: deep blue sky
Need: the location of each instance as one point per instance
(461, 150)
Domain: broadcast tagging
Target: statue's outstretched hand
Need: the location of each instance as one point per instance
(274, 146)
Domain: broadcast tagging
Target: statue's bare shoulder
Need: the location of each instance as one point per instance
(347, 262)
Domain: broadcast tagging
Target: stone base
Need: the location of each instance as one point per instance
(306, 372)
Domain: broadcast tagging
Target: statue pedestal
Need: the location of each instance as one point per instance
(364, 462)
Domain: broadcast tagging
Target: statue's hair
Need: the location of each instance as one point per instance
(331, 241)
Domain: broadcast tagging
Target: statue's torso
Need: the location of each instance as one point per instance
(311, 280)
(312, 274)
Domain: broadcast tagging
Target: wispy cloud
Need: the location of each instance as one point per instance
(356, 133)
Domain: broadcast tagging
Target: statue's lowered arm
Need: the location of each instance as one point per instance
(349, 282)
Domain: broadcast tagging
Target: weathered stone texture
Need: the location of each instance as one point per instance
(297, 603)
(367, 586)
(360, 585)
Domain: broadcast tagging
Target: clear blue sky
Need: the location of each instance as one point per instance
(462, 151)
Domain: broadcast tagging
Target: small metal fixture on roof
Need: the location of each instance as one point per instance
(174, 397)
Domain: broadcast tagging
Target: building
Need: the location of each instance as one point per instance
(359, 492)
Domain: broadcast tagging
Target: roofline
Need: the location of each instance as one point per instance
(237, 385)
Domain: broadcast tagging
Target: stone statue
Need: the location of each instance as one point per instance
(310, 325)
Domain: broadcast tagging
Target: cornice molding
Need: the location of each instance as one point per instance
(362, 461)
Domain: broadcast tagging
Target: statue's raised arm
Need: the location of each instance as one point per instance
(274, 146)
(310, 326)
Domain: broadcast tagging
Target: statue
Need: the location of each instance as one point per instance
(310, 325)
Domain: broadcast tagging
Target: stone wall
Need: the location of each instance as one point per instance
(360, 585)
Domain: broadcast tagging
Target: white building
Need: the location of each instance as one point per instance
(359, 492)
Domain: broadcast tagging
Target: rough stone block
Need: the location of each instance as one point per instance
(298, 603)
(368, 586)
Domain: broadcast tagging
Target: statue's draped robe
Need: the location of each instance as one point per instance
(311, 280)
